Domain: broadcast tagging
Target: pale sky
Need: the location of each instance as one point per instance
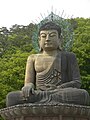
(23, 12)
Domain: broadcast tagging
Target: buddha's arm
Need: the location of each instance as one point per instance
(74, 84)
(29, 86)
(74, 72)
(30, 71)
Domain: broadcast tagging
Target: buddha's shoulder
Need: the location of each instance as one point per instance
(34, 56)
(68, 54)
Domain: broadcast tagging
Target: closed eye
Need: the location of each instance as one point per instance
(43, 35)
(53, 34)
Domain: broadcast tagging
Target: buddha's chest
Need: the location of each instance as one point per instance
(42, 63)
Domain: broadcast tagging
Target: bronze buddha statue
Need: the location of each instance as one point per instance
(52, 76)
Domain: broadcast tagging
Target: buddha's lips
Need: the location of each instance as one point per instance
(48, 43)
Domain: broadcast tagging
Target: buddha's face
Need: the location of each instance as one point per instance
(49, 40)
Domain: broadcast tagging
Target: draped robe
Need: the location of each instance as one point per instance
(59, 83)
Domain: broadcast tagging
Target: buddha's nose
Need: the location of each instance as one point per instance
(47, 38)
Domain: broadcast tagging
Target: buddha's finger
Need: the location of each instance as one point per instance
(33, 91)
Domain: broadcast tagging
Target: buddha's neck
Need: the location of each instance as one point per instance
(50, 53)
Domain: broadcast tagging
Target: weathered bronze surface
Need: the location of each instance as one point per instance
(52, 76)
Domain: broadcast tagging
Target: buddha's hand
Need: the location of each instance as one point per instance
(28, 90)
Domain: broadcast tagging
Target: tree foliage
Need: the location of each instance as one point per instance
(82, 49)
(15, 47)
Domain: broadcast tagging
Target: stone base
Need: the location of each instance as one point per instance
(46, 112)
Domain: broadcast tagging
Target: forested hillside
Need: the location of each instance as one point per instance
(16, 45)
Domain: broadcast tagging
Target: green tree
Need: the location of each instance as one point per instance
(82, 49)
(3, 40)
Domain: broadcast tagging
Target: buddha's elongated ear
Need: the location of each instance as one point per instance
(60, 43)
(39, 40)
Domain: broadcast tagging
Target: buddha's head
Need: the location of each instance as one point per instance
(49, 36)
